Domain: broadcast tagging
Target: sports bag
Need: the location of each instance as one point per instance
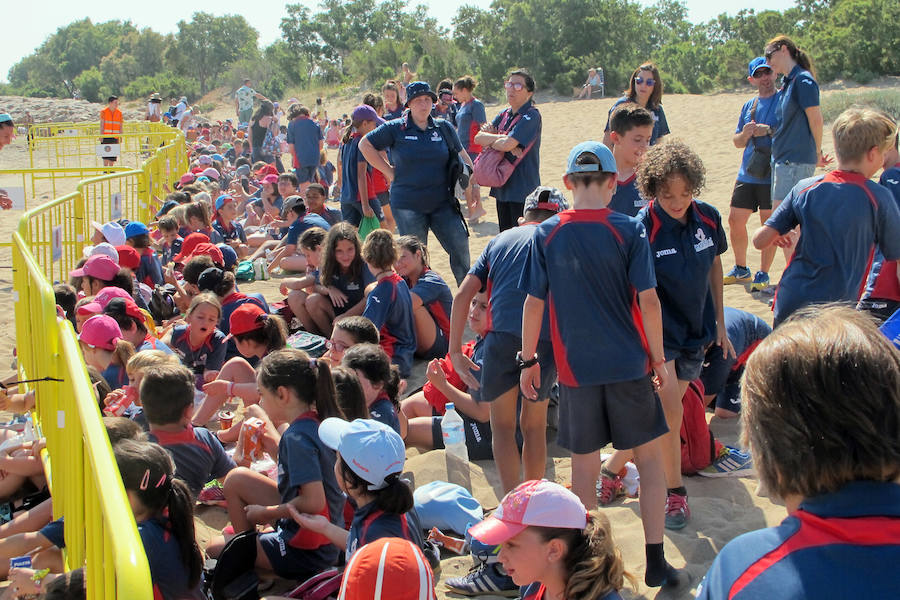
(698, 446)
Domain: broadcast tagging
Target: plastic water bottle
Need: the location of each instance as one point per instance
(453, 434)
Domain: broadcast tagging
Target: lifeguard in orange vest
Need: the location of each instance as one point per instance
(110, 127)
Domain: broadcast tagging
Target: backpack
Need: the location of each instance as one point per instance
(162, 303)
(233, 575)
(324, 586)
(244, 271)
(698, 446)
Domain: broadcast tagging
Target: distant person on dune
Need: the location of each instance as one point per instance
(7, 129)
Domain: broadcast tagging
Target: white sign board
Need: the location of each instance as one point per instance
(115, 206)
(56, 243)
(108, 150)
(17, 195)
(71, 132)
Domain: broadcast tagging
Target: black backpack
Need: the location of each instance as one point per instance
(233, 575)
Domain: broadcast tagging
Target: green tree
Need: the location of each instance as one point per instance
(300, 33)
(206, 45)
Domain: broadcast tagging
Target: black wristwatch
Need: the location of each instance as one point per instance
(524, 364)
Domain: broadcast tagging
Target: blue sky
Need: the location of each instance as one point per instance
(30, 23)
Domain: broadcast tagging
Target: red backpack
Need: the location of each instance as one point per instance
(698, 446)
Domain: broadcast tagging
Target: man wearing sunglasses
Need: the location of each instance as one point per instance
(752, 190)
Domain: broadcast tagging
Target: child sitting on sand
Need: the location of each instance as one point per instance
(431, 297)
(298, 289)
(348, 332)
(380, 381)
(821, 417)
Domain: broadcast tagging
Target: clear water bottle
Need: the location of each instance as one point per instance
(453, 434)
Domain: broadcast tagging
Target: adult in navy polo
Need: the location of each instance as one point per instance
(421, 148)
(823, 403)
(516, 130)
(305, 140)
(646, 89)
(753, 191)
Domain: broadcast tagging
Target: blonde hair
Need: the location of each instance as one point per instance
(149, 358)
(859, 129)
(204, 298)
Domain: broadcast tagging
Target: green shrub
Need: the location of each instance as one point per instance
(884, 100)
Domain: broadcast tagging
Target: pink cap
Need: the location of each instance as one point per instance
(269, 179)
(98, 266)
(100, 331)
(531, 504)
(108, 293)
(186, 179)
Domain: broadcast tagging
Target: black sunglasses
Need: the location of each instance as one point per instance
(769, 53)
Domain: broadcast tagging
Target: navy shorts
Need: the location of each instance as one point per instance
(499, 371)
(716, 370)
(478, 437)
(752, 196)
(626, 414)
(293, 563)
(305, 174)
(688, 363)
(730, 396)
(439, 348)
(384, 198)
(352, 213)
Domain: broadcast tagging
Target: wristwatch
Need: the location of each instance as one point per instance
(524, 364)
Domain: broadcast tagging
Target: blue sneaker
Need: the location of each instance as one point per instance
(485, 579)
(730, 463)
(760, 281)
(737, 275)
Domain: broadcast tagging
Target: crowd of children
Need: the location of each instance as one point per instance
(612, 308)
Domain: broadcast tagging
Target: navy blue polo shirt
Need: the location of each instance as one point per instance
(304, 134)
(167, 570)
(229, 305)
(589, 266)
(527, 175)
(209, 356)
(149, 270)
(660, 124)
(469, 119)
(683, 256)
(382, 410)
(330, 215)
(370, 524)
(837, 545)
(230, 232)
(627, 199)
(437, 298)
(389, 307)
(351, 158)
(765, 114)
(353, 288)
(843, 216)
(745, 331)
(198, 455)
(499, 269)
(421, 160)
(793, 141)
(307, 221)
(890, 178)
(170, 251)
(390, 115)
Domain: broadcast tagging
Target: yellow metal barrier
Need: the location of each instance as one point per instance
(81, 471)
(42, 184)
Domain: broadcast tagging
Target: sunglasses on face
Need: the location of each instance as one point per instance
(769, 53)
(649, 81)
(761, 73)
(513, 85)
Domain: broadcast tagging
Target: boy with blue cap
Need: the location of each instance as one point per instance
(605, 301)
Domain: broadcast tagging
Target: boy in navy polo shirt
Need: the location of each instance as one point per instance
(631, 127)
(607, 338)
(823, 403)
(687, 239)
(305, 142)
(224, 223)
(167, 396)
(497, 271)
(295, 213)
(843, 217)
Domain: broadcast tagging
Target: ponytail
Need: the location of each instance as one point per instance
(272, 334)
(345, 134)
(309, 379)
(392, 386)
(180, 506)
(396, 498)
(803, 59)
(123, 352)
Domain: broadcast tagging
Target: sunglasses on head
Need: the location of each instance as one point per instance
(649, 81)
(514, 85)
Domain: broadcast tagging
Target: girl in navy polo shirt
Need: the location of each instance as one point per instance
(388, 302)
(199, 342)
(431, 298)
(686, 238)
(358, 194)
(393, 107)
(380, 382)
(163, 509)
(296, 390)
(343, 277)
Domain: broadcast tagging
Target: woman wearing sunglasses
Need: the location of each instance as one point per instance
(645, 88)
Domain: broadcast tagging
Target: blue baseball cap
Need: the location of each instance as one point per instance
(5, 118)
(419, 88)
(218, 157)
(228, 255)
(757, 63)
(135, 228)
(607, 162)
(223, 200)
(370, 448)
(169, 205)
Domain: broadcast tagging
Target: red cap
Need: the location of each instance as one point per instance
(246, 318)
(388, 569)
(267, 170)
(124, 307)
(189, 244)
(128, 257)
(100, 331)
(98, 266)
(209, 250)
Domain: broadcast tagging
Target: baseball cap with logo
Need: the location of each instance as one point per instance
(99, 266)
(531, 504)
(546, 198)
(757, 63)
(603, 154)
(370, 448)
(388, 569)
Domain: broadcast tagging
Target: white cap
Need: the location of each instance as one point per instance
(102, 248)
(112, 232)
(370, 448)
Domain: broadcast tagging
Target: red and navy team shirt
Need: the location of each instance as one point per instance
(437, 298)
(838, 545)
(627, 199)
(167, 570)
(526, 131)
(208, 356)
(198, 455)
(232, 231)
(589, 266)
(883, 283)
(499, 269)
(382, 410)
(683, 256)
(843, 217)
(370, 524)
(389, 307)
(229, 305)
(149, 270)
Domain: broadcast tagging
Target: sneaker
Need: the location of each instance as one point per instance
(730, 463)
(486, 579)
(610, 488)
(213, 494)
(677, 511)
(760, 281)
(738, 275)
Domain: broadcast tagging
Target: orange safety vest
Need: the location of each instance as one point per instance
(110, 122)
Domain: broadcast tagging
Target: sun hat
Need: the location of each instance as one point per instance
(102, 248)
(188, 245)
(364, 112)
(99, 266)
(388, 569)
(111, 231)
(607, 162)
(419, 88)
(757, 63)
(128, 257)
(370, 448)
(100, 331)
(210, 250)
(135, 228)
(531, 504)
(546, 198)
(246, 318)
(229, 256)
